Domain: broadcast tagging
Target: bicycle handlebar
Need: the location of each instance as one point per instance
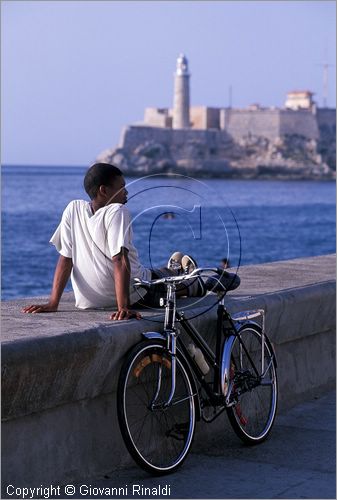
(180, 278)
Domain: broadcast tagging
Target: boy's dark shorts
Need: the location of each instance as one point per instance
(154, 293)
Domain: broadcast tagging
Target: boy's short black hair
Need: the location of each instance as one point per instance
(100, 174)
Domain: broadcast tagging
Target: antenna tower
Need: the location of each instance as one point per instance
(325, 67)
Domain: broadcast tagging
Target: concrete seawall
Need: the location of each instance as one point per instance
(60, 370)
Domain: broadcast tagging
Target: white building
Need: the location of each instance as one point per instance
(299, 99)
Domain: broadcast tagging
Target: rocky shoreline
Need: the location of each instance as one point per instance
(291, 157)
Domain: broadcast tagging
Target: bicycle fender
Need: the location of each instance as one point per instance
(225, 364)
(153, 335)
(247, 322)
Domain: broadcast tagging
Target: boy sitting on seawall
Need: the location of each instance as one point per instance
(94, 240)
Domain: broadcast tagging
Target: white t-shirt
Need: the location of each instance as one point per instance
(91, 240)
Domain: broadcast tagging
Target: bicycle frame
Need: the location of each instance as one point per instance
(224, 338)
(220, 390)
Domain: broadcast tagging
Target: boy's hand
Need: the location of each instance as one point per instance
(125, 313)
(40, 308)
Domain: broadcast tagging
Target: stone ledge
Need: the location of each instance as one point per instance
(53, 359)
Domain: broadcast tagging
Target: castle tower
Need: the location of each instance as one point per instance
(181, 101)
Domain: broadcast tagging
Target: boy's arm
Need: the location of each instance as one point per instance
(61, 277)
(121, 267)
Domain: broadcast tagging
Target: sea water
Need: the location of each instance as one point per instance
(247, 221)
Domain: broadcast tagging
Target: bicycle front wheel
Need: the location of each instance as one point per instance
(253, 397)
(157, 437)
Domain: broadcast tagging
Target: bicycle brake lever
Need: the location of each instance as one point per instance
(139, 282)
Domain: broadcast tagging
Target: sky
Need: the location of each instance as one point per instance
(74, 73)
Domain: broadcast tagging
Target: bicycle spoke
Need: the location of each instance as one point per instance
(140, 430)
(142, 401)
(172, 440)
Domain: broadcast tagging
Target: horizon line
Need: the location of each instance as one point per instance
(12, 165)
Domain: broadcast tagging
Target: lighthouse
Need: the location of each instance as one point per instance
(181, 101)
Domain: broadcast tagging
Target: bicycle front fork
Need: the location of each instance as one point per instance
(173, 350)
(172, 347)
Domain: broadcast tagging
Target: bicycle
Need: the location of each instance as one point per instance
(163, 386)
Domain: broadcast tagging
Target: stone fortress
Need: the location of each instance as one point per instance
(296, 141)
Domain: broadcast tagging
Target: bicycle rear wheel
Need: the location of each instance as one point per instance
(254, 399)
(157, 438)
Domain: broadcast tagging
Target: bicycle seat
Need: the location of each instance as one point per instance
(223, 282)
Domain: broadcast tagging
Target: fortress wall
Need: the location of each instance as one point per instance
(213, 118)
(198, 117)
(301, 122)
(133, 136)
(203, 117)
(157, 117)
(242, 123)
(326, 118)
(214, 125)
